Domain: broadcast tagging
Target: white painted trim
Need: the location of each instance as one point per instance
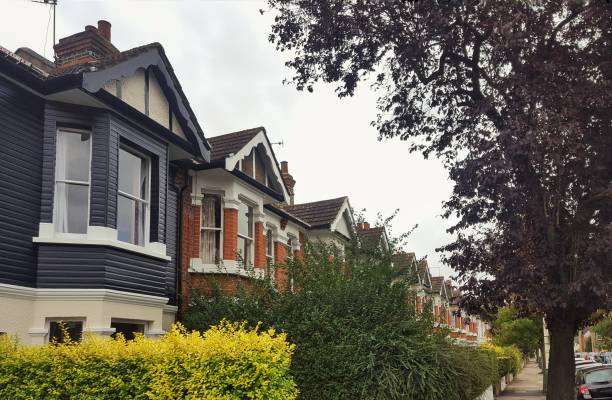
(99, 236)
(260, 138)
(169, 308)
(234, 204)
(38, 332)
(81, 295)
(346, 206)
(100, 331)
(226, 267)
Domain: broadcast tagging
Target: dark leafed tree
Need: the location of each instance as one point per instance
(516, 98)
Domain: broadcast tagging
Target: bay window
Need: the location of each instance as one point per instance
(211, 229)
(133, 197)
(245, 233)
(72, 181)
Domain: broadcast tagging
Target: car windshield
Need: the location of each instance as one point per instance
(599, 376)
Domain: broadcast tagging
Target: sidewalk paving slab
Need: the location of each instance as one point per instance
(526, 386)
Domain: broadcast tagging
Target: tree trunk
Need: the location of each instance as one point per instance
(561, 370)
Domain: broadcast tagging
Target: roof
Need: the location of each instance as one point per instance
(319, 214)
(370, 238)
(91, 76)
(436, 283)
(230, 143)
(402, 262)
(423, 270)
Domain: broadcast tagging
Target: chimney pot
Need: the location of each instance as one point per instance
(284, 167)
(90, 28)
(104, 28)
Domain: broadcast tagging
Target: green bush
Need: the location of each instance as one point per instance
(226, 362)
(356, 335)
(509, 359)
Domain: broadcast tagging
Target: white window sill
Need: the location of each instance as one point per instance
(225, 267)
(99, 236)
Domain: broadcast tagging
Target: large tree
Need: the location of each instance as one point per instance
(516, 98)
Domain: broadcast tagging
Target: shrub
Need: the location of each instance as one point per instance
(509, 358)
(225, 362)
(356, 335)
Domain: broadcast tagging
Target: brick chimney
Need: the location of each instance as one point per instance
(85, 47)
(289, 181)
(363, 226)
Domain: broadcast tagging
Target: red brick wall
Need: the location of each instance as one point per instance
(419, 304)
(260, 246)
(436, 312)
(280, 273)
(230, 233)
(204, 283)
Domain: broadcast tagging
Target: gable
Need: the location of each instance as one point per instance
(257, 160)
(144, 79)
(143, 91)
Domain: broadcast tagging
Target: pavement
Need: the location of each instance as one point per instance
(526, 386)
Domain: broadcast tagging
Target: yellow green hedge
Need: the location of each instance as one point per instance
(509, 358)
(226, 362)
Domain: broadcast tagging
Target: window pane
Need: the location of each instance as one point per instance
(71, 207)
(604, 375)
(131, 216)
(72, 156)
(244, 250)
(127, 329)
(211, 212)
(211, 249)
(269, 244)
(59, 329)
(133, 174)
(245, 220)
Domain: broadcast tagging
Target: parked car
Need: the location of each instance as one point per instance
(594, 383)
(588, 365)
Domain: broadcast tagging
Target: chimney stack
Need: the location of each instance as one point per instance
(104, 29)
(289, 181)
(85, 47)
(363, 226)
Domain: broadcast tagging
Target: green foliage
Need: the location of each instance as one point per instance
(356, 335)
(509, 329)
(603, 329)
(226, 362)
(509, 359)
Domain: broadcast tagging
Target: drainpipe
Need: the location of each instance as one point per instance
(179, 252)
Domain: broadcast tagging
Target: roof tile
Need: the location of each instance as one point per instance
(319, 214)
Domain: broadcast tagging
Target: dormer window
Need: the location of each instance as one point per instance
(72, 181)
(133, 198)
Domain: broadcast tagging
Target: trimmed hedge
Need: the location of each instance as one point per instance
(225, 362)
(509, 358)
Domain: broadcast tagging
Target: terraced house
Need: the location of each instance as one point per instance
(115, 204)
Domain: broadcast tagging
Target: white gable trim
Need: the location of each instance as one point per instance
(345, 209)
(232, 161)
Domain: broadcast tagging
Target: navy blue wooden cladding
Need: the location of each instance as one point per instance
(83, 267)
(21, 165)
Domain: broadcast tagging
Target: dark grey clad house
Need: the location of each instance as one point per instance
(88, 218)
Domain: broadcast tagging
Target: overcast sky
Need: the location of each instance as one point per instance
(233, 79)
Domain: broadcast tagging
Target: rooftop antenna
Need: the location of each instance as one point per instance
(281, 143)
(53, 4)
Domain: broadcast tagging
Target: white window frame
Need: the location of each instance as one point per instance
(248, 260)
(146, 202)
(71, 182)
(203, 228)
(60, 319)
(270, 254)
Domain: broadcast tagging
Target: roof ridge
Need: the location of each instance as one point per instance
(236, 132)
